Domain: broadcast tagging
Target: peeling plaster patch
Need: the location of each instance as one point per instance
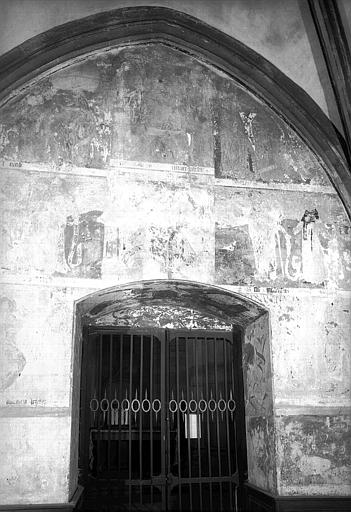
(311, 365)
(259, 404)
(261, 462)
(314, 452)
(257, 369)
(12, 361)
(34, 460)
(234, 259)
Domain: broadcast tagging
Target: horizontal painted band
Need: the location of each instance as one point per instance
(163, 171)
(26, 412)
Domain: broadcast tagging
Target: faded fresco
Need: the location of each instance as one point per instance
(129, 228)
(281, 239)
(152, 103)
(170, 317)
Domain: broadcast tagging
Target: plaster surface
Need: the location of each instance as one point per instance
(107, 177)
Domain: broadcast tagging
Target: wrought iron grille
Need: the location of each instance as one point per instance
(161, 420)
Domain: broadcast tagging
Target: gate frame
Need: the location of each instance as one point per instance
(238, 311)
(235, 335)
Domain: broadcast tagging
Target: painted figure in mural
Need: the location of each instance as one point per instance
(307, 218)
(299, 254)
(84, 244)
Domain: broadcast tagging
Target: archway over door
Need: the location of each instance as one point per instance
(134, 309)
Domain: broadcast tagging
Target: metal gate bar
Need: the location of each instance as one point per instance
(208, 427)
(227, 423)
(178, 430)
(121, 338)
(109, 413)
(99, 394)
(198, 419)
(151, 423)
(129, 416)
(188, 421)
(215, 349)
(164, 415)
(140, 419)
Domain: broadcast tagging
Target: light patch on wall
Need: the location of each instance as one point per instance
(12, 361)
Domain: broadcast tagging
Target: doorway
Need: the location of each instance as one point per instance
(160, 423)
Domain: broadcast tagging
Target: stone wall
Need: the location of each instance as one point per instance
(142, 163)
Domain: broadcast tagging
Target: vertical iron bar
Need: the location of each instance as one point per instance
(188, 422)
(226, 391)
(217, 423)
(198, 417)
(140, 417)
(130, 419)
(163, 417)
(235, 429)
(120, 398)
(178, 428)
(109, 411)
(167, 412)
(99, 415)
(208, 423)
(151, 417)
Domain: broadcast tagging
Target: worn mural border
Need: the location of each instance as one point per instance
(137, 25)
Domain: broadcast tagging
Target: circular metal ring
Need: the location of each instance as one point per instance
(132, 405)
(91, 406)
(232, 406)
(159, 405)
(149, 405)
(104, 401)
(171, 407)
(213, 401)
(123, 406)
(202, 409)
(180, 405)
(114, 404)
(222, 401)
(192, 401)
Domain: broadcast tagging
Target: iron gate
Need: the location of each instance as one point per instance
(160, 414)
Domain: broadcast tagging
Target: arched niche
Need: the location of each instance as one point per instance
(192, 305)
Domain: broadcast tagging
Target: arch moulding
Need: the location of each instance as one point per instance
(134, 25)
